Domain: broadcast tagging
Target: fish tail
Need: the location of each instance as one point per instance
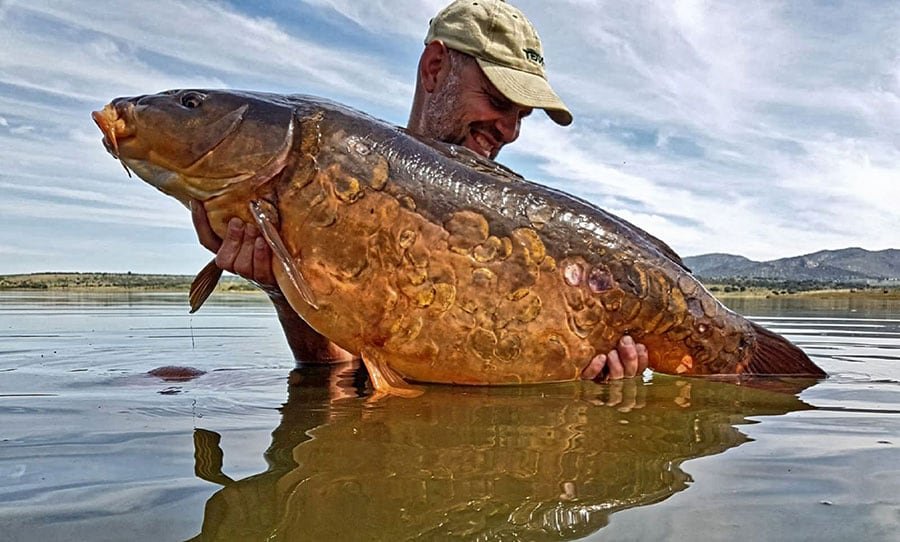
(775, 355)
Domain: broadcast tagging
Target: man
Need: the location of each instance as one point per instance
(481, 73)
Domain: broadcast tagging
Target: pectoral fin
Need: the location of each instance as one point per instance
(384, 379)
(265, 215)
(204, 284)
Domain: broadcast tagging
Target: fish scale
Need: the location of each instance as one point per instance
(434, 264)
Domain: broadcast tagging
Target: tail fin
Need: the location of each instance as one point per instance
(775, 355)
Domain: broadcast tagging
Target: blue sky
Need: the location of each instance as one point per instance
(767, 129)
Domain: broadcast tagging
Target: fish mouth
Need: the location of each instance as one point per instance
(113, 121)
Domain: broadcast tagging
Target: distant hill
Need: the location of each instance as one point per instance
(846, 265)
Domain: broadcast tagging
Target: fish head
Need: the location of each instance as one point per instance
(198, 143)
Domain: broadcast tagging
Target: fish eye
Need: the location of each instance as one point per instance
(192, 100)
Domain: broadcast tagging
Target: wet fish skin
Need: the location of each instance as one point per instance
(434, 263)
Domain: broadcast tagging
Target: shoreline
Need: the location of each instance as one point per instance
(115, 283)
(133, 282)
(891, 293)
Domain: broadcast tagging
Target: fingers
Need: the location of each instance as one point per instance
(243, 261)
(623, 395)
(262, 262)
(205, 233)
(245, 252)
(614, 367)
(627, 360)
(231, 245)
(631, 359)
(594, 370)
(643, 359)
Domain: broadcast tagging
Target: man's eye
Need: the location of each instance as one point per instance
(192, 99)
(497, 103)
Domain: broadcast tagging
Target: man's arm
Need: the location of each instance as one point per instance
(245, 252)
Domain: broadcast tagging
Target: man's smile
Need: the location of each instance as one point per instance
(485, 144)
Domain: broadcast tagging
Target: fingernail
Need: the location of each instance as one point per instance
(627, 340)
(260, 243)
(236, 224)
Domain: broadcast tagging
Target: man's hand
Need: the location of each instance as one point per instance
(627, 360)
(243, 252)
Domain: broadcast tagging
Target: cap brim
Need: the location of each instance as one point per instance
(527, 89)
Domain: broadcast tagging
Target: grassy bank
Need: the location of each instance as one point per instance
(727, 291)
(229, 283)
(114, 282)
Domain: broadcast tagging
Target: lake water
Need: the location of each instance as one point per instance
(94, 448)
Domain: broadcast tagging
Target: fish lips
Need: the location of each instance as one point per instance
(113, 121)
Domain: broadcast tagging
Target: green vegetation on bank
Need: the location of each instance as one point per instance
(802, 288)
(229, 283)
(113, 281)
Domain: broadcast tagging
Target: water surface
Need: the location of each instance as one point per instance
(94, 448)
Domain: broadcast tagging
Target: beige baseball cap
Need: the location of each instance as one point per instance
(507, 48)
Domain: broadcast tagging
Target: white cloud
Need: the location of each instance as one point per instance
(23, 129)
(393, 17)
(768, 129)
(14, 251)
(205, 37)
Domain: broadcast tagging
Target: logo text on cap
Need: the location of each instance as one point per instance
(534, 56)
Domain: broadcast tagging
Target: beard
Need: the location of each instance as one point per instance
(443, 112)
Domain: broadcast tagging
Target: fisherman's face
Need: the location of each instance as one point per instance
(467, 109)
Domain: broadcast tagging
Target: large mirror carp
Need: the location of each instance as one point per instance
(434, 264)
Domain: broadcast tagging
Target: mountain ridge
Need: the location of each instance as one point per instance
(853, 264)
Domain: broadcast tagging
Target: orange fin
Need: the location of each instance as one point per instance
(775, 355)
(265, 215)
(384, 379)
(204, 284)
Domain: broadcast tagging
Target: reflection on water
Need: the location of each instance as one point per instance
(483, 464)
(837, 307)
(92, 447)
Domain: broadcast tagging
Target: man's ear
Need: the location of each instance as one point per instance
(434, 65)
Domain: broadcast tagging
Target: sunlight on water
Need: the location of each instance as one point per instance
(92, 447)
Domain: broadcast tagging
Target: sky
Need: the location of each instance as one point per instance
(767, 129)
